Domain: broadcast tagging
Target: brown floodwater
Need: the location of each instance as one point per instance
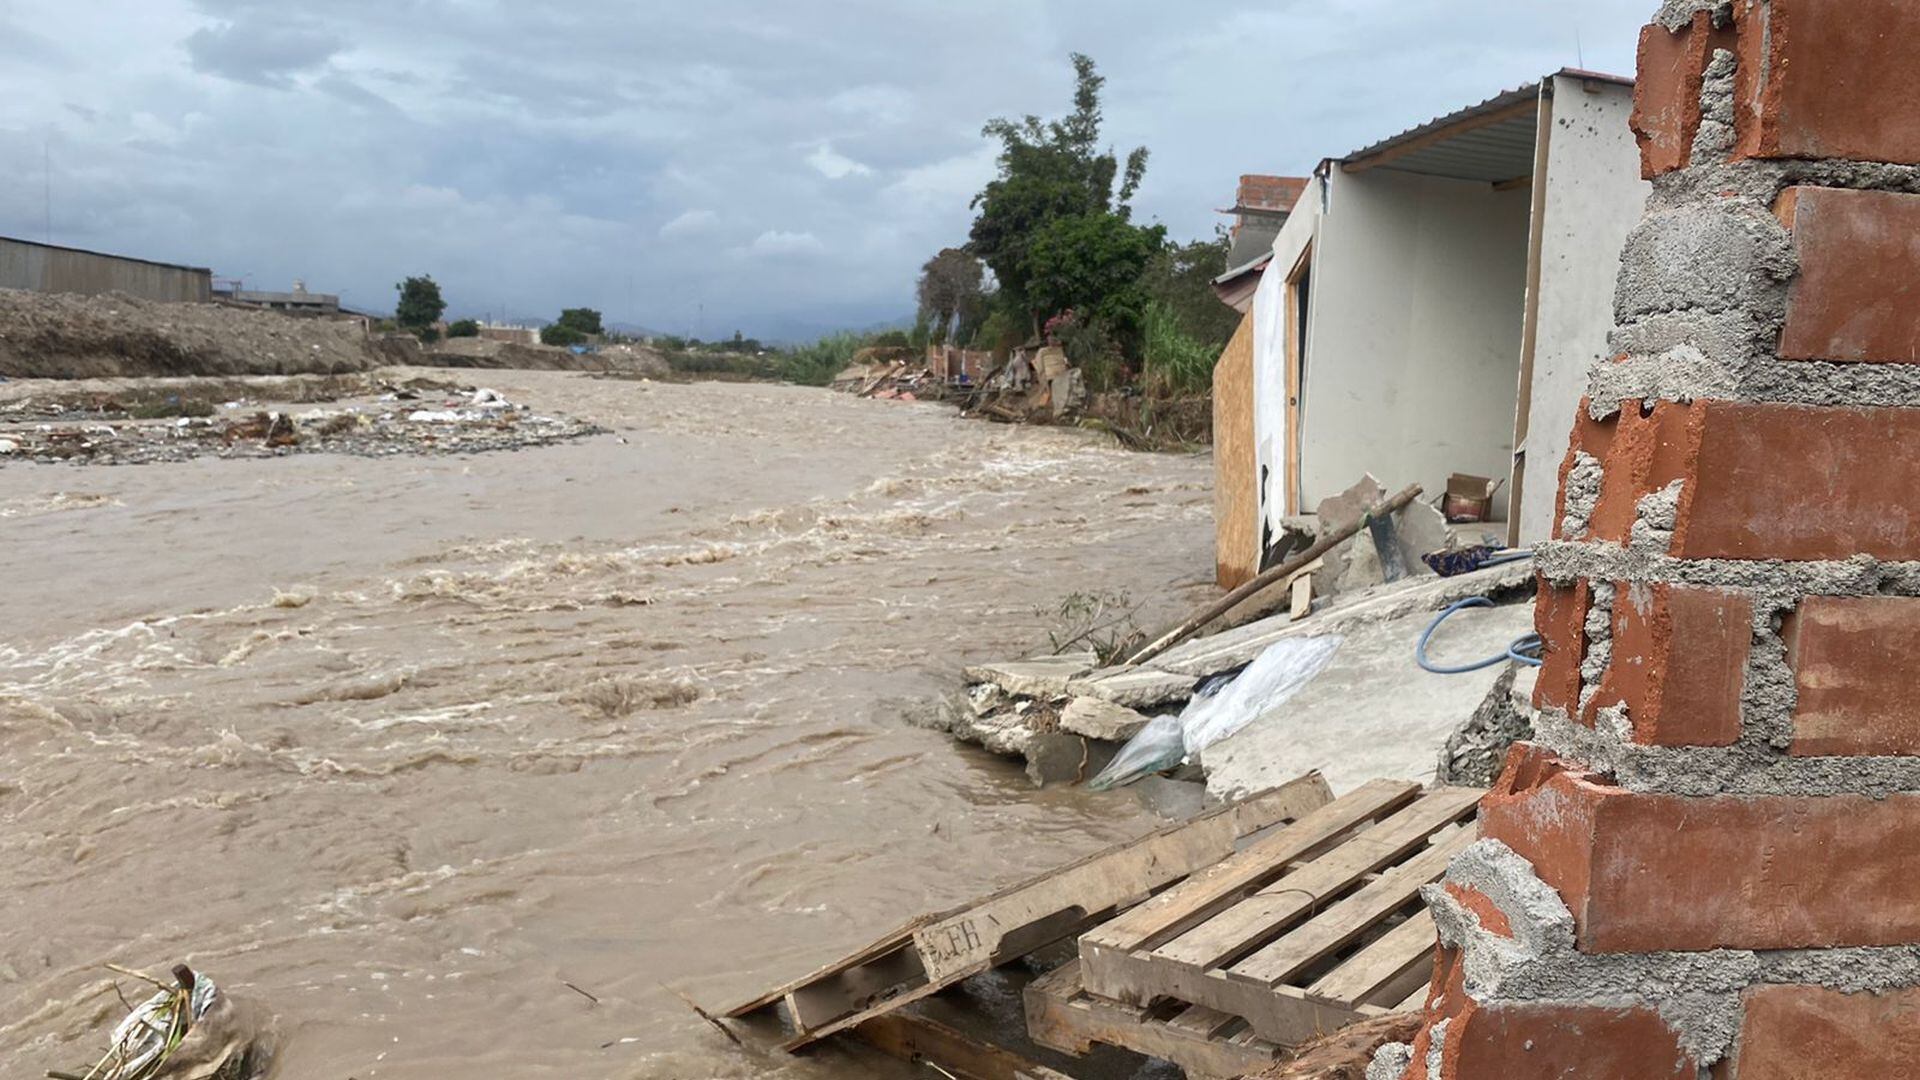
(400, 747)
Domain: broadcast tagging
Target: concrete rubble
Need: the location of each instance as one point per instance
(187, 419)
(1371, 714)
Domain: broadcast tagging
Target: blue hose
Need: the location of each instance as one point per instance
(1518, 652)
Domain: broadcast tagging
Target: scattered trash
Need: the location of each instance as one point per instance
(1469, 499)
(1467, 560)
(188, 1030)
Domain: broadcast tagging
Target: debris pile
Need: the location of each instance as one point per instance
(418, 417)
(478, 352)
(188, 1029)
(1374, 677)
(1284, 934)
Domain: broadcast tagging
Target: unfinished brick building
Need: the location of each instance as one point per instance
(1709, 862)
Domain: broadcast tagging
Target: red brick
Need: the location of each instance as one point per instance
(1853, 662)
(1666, 96)
(1650, 449)
(1679, 661)
(1797, 482)
(1538, 1041)
(1560, 617)
(1857, 297)
(1651, 872)
(1793, 1032)
(1829, 79)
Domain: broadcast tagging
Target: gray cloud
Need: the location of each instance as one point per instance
(264, 49)
(781, 168)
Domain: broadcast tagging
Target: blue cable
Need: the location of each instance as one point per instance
(1517, 652)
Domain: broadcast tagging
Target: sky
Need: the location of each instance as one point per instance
(778, 167)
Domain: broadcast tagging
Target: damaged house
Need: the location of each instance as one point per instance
(1430, 304)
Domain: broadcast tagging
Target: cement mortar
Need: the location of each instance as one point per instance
(1390, 1062)
(1677, 15)
(1581, 493)
(1731, 254)
(1716, 136)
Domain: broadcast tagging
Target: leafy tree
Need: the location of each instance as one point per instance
(584, 321)
(951, 292)
(562, 335)
(420, 304)
(463, 328)
(1048, 170)
(1094, 264)
(1180, 280)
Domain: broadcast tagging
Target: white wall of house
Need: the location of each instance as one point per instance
(1272, 324)
(1594, 196)
(1419, 288)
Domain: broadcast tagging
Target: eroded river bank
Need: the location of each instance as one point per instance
(402, 746)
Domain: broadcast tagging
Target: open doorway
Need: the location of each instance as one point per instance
(1299, 304)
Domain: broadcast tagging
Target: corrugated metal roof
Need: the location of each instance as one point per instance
(1483, 148)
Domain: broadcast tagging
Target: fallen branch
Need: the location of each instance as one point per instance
(1279, 573)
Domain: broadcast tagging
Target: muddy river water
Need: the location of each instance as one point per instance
(400, 747)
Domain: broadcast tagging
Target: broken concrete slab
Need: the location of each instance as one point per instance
(1372, 713)
(1098, 718)
(1204, 657)
(1337, 512)
(1043, 677)
(1135, 688)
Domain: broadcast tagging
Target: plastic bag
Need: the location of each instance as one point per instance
(1158, 747)
(1220, 707)
(1268, 683)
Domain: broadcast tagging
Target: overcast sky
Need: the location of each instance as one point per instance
(778, 166)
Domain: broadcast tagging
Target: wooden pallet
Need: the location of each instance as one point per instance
(913, 1038)
(1312, 928)
(937, 951)
(1206, 1044)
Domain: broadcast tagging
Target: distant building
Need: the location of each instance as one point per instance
(297, 302)
(37, 267)
(1260, 208)
(510, 333)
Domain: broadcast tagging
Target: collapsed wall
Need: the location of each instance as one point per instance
(1708, 862)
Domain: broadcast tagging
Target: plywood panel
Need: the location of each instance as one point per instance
(1236, 480)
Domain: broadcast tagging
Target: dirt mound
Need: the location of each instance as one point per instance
(487, 353)
(63, 336)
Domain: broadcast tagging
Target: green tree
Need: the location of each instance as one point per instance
(1094, 264)
(463, 328)
(1180, 279)
(561, 334)
(582, 320)
(1048, 170)
(420, 304)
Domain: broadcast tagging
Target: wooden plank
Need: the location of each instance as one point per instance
(1300, 604)
(1332, 929)
(913, 1038)
(1202, 895)
(1403, 952)
(1061, 1016)
(940, 950)
(1259, 918)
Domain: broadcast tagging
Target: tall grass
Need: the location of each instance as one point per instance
(818, 363)
(1171, 360)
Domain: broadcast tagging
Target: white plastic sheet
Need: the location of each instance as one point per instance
(1217, 711)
